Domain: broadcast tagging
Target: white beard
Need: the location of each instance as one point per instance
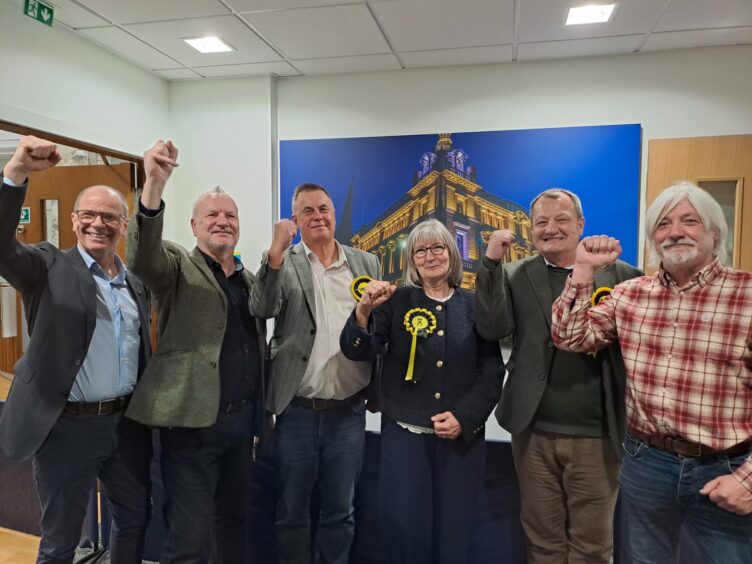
(676, 257)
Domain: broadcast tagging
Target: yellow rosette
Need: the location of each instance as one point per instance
(597, 297)
(358, 286)
(419, 322)
(600, 294)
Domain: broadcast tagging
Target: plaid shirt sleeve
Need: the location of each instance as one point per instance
(577, 325)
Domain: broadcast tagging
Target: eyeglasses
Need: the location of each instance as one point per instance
(435, 250)
(108, 218)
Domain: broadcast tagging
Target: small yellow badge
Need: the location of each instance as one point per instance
(358, 286)
(600, 294)
(419, 322)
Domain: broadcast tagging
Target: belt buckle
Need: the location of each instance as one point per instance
(102, 404)
(314, 405)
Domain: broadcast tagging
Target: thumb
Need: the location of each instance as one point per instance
(710, 486)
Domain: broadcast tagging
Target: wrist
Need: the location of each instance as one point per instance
(16, 174)
(583, 274)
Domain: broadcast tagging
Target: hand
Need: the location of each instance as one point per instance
(446, 425)
(32, 155)
(499, 243)
(375, 293)
(159, 161)
(597, 251)
(747, 356)
(284, 231)
(728, 493)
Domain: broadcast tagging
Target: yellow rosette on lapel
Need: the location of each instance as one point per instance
(419, 322)
(358, 286)
(597, 297)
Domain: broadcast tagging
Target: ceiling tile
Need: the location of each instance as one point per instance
(168, 38)
(176, 74)
(265, 69)
(127, 46)
(699, 38)
(259, 5)
(321, 32)
(578, 47)
(543, 20)
(695, 14)
(75, 16)
(365, 63)
(133, 11)
(423, 25)
(466, 56)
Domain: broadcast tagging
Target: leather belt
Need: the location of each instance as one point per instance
(104, 407)
(235, 406)
(675, 445)
(318, 404)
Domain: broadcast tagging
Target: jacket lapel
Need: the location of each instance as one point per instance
(537, 273)
(303, 270)
(86, 286)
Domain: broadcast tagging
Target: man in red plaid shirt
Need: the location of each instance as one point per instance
(684, 336)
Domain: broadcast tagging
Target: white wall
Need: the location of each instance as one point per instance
(57, 82)
(223, 131)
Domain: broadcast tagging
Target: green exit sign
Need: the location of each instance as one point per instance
(25, 215)
(39, 11)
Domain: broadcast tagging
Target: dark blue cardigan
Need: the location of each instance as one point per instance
(459, 371)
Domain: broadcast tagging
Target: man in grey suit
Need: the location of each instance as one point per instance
(203, 388)
(88, 321)
(315, 392)
(565, 411)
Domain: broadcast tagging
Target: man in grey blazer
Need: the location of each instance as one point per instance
(204, 386)
(315, 392)
(88, 321)
(565, 411)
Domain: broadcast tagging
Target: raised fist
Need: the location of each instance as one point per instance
(375, 293)
(159, 161)
(32, 155)
(498, 244)
(593, 253)
(284, 232)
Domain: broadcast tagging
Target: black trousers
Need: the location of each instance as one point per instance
(79, 449)
(427, 493)
(206, 474)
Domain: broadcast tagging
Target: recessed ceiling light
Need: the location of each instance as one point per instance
(594, 13)
(209, 44)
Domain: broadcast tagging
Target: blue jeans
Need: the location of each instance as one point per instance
(660, 496)
(324, 448)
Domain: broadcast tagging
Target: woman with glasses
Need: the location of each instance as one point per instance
(439, 382)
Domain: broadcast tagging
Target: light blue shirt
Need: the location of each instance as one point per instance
(110, 368)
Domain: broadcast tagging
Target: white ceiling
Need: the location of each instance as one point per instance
(308, 37)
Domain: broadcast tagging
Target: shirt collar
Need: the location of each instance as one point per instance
(705, 276)
(341, 258)
(549, 263)
(211, 263)
(92, 264)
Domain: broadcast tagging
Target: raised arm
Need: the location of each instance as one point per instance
(146, 254)
(493, 306)
(20, 264)
(577, 325)
(267, 295)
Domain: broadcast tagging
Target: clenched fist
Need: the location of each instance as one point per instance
(32, 155)
(374, 294)
(499, 243)
(284, 232)
(159, 161)
(593, 253)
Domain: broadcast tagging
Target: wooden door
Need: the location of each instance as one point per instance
(724, 162)
(50, 197)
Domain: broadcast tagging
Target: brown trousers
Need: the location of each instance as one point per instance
(568, 488)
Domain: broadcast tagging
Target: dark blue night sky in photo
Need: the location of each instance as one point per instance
(600, 163)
